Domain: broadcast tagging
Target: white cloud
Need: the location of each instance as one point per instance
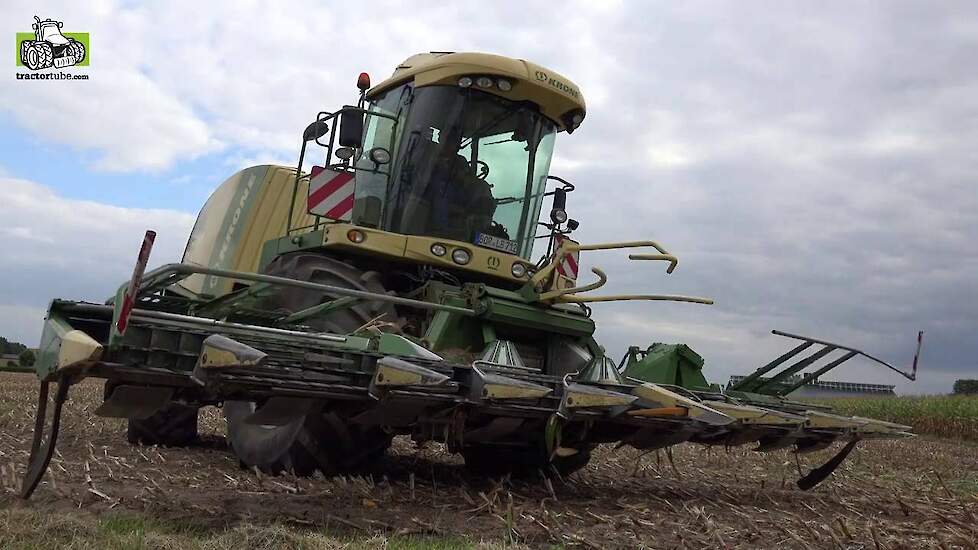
(54, 246)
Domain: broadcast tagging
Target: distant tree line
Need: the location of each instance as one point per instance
(11, 348)
(25, 356)
(966, 387)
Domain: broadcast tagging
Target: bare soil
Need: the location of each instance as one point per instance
(919, 493)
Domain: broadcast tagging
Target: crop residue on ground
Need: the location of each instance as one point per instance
(102, 492)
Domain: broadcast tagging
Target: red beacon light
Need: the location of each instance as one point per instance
(363, 82)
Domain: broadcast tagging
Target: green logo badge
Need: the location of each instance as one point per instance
(47, 47)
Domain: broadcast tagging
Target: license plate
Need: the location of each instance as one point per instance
(65, 61)
(497, 243)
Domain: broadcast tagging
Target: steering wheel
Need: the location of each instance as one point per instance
(483, 169)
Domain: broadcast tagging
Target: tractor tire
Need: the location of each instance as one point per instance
(323, 440)
(520, 462)
(77, 49)
(173, 426)
(39, 56)
(317, 268)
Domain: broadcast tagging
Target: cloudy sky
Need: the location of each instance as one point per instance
(812, 164)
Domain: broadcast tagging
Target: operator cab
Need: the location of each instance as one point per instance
(453, 146)
(466, 165)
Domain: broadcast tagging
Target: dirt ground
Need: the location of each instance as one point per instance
(906, 494)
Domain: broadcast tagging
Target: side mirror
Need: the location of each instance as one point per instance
(315, 131)
(351, 128)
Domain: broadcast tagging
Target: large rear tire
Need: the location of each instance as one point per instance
(323, 440)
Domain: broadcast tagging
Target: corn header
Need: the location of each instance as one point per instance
(387, 286)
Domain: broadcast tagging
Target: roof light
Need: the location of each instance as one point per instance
(504, 85)
(578, 118)
(558, 215)
(465, 82)
(363, 82)
(461, 256)
(344, 153)
(438, 249)
(484, 82)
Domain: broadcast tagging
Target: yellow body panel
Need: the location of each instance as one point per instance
(748, 414)
(418, 249)
(77, 348)
(509, 391)
(818, 419)
(247, 210)
(554, 93)
(665, 398)
(576, 399)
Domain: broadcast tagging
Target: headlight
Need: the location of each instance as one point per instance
(484, 82)
(519, 270)
(504, 85)
(355, 236)
(461, 256)
(465, 82)
(438, 249)
(380, 155)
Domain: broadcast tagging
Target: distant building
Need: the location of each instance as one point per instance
(828, 389)
(8, 358)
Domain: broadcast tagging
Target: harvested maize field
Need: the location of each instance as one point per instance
(102, 492)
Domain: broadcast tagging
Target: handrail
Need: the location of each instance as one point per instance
(182, 271)
(646, 297)
(568, 247)
(602, 279)
(568, 294)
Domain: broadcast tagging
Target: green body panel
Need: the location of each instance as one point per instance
(534, 317)
(675, 364)
(393, 344)
(283, 245)
(449, 330)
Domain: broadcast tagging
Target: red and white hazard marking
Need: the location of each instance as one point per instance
(568, 264)
(331, 193)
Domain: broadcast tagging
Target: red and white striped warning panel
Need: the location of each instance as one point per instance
(331, 193)
(568, 264)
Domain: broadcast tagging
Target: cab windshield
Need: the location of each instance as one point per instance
(466, 165)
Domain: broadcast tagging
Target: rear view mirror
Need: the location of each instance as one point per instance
(315, 130)
(351, 128)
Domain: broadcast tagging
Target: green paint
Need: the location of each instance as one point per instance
(294, 243)
(79, 36)
(675, 364)
(527, 316)
(453, 331)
